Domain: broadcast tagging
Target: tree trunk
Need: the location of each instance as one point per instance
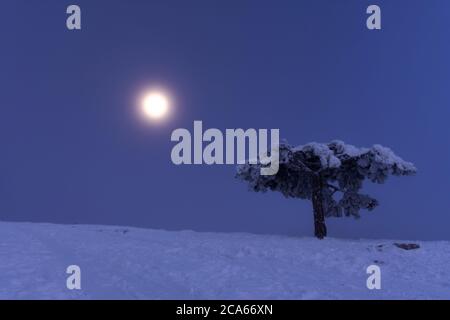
(320, 229)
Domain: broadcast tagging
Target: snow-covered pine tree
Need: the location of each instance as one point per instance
(318, 172)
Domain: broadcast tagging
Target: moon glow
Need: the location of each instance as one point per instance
(155, 105)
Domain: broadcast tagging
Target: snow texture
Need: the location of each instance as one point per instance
(131, 263)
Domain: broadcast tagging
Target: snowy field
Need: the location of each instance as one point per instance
(130, 263)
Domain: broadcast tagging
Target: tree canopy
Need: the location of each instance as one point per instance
(329, 168)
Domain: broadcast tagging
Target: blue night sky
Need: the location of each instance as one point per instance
(73, 149)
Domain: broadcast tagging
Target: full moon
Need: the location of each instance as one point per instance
(155, 105)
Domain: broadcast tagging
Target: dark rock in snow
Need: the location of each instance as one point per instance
(407, 246)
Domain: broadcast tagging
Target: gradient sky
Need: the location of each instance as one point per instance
(74, 151)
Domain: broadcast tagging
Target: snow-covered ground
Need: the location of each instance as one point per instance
(131, 263)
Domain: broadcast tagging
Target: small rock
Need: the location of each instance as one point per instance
(124, 231)
(407, 246)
